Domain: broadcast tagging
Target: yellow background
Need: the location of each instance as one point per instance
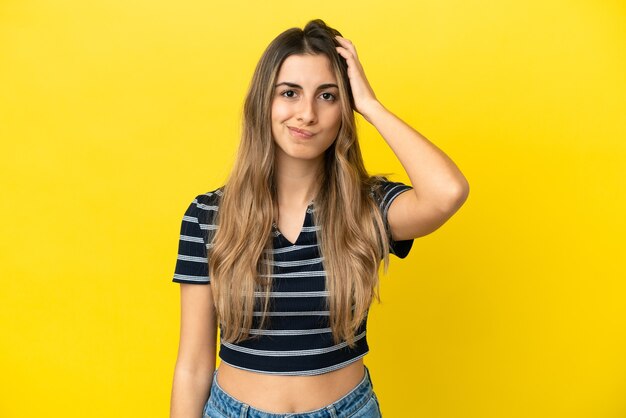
(115, 114)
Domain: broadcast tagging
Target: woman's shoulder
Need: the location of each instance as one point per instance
(379, 186)
(205, 205)
(211, 198)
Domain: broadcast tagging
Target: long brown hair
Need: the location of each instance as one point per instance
(239, 257)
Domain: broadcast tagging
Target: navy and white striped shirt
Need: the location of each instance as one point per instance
(298, 340)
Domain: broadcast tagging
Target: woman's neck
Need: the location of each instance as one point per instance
(297, 181)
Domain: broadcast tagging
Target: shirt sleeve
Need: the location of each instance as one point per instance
(191, 263)
(384, 195)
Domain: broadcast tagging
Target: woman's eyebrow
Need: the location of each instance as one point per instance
(297, 86)
(288, 84)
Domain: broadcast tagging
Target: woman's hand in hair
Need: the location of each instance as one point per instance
(364, 97)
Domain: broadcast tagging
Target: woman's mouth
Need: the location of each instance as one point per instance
(300, 133)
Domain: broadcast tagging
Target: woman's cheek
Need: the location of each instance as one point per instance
(280, 111)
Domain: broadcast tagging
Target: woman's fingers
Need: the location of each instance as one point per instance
(347, 44)
(349, 56)
(362, 92)
(355, 70)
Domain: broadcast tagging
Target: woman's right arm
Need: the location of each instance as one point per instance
(196, 351)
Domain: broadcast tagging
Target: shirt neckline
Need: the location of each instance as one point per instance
(305, 224)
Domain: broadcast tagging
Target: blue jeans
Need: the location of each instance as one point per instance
(360, 402)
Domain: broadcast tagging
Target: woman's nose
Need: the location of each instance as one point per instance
(306, 111)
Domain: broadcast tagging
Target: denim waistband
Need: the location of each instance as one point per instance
(342, 407)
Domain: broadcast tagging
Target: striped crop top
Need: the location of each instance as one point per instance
(298, 339)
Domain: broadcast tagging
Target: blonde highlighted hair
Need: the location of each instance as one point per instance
(240, 257)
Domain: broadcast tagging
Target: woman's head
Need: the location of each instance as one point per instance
(315, 40)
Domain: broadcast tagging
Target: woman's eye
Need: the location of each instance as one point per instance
(288, 93)
(328, 96)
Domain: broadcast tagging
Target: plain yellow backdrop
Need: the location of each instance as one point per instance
(115, 114)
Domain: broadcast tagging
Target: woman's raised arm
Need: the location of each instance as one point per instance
(439, 187)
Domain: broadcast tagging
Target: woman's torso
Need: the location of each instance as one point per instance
(289, 394)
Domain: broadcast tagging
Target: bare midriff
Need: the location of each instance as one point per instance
(289, 394)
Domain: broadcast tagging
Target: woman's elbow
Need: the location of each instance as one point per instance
(462, 192)
(456, 197)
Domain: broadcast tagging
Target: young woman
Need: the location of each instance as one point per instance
(285, 256)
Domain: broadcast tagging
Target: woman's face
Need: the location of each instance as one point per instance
(306, 109)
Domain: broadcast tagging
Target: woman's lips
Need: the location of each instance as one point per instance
(300, 133)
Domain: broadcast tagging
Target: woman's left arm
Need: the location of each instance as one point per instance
(439, 187)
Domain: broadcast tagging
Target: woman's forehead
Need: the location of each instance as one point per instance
(307, 70)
